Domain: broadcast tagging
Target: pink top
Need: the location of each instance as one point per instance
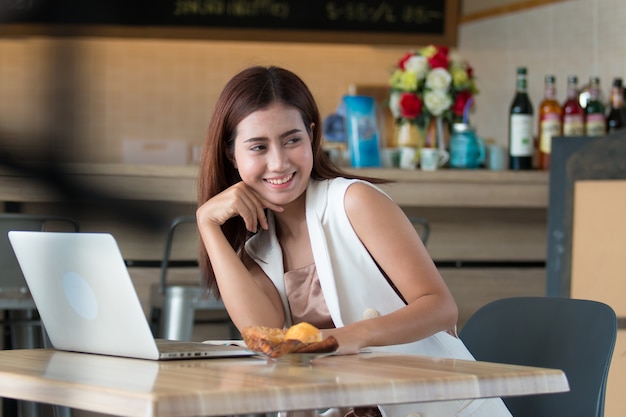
(306, 299)
(307, 303)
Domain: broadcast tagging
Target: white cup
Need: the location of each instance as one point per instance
(496, 159)
(432, 159)
(408, 157)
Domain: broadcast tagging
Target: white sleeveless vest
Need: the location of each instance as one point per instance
(354, 288)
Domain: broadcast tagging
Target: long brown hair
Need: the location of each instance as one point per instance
(253, 89)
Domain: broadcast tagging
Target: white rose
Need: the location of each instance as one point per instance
(437, 101)
(438, 79)
(417, 64)
(394, 104)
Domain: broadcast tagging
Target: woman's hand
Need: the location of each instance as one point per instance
(349, 338)
(237, 200)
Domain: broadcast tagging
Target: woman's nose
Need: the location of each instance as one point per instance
(277, 159)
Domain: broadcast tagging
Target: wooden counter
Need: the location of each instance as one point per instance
(488, 228)
(411, 188)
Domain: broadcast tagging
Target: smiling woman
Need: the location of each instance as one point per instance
(273, 148)
(268, 195)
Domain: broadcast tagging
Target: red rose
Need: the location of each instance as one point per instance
(440, 59)
(461, 100)
(410, 105)
(403, 60)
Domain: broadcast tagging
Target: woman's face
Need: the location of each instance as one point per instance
(273, 153)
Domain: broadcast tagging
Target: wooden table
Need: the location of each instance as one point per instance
(132, 387)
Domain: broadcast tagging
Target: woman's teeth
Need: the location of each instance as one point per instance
(279, 181)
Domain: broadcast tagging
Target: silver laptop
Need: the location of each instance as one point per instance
(87, 301)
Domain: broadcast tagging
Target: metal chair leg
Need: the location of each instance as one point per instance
(178, 313)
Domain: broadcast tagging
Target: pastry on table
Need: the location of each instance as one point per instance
(299, 338)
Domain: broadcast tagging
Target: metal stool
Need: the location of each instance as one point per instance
(173, 307)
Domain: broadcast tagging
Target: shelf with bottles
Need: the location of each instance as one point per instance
(584, 112)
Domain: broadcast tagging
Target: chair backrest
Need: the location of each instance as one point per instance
(577, 336)
(10, 272)
(422, 225)
(167, 249)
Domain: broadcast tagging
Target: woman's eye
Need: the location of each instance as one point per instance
(294, 140)
(257, 148)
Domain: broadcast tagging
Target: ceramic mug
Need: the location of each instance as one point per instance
(432, 159)
(408, 157)
(496, 160)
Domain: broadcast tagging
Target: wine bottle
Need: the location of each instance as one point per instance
(615, 117)
(549, 122)
(521, 144)
(595, 124)
(573, 112)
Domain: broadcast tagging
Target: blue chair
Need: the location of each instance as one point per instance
(576, 336)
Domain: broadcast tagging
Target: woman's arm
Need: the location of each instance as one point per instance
(396, 247)
(248, 294)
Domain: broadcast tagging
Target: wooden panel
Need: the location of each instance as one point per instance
(477, 234)
(598, 243)
(473, 10)
(472, 288)
(598, 265)
(457, 234)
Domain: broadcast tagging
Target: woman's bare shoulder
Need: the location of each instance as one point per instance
(361, 193)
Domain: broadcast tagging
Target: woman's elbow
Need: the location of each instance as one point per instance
(451, 313)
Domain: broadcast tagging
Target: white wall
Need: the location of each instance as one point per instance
(580, 37)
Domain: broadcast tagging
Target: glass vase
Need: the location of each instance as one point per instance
(408, 135)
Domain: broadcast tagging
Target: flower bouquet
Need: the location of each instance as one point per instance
(431, 85)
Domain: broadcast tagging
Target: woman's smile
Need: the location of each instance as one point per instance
(280, 181)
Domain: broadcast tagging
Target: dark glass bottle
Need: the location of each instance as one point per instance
(595, 122)
(615, 117)
(521, 144)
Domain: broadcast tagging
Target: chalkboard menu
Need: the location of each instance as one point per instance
(362, 21)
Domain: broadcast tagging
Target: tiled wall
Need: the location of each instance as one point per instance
(580, 37)
(154, 89)
(110, 90)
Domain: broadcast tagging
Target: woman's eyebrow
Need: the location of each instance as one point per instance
(255, 139)
(281, 136)
(290, 132)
